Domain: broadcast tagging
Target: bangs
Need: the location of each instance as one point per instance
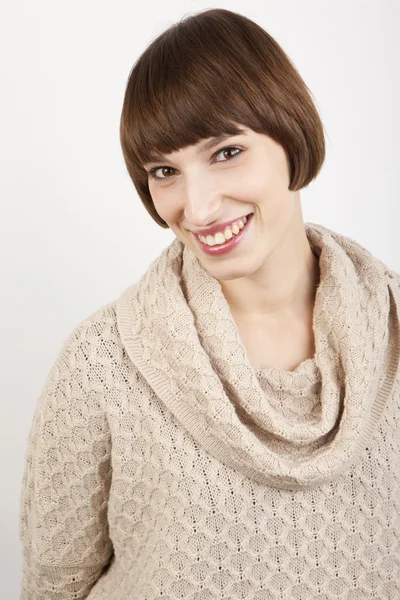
(179, 95)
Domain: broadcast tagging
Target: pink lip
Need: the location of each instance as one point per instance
(228, 245)
(216, 228)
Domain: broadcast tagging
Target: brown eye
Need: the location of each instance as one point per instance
(229, 149)
(152, 173)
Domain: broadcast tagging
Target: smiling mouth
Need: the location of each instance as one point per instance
(227, 245)
(219, 238)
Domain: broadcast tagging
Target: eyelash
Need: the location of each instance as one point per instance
(152, 171)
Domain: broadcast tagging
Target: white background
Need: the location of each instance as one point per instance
(74, 234)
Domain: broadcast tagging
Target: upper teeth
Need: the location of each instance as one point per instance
(220, 238)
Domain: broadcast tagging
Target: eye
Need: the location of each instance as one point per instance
(228, 148)
(152, 172)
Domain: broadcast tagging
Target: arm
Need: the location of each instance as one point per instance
(63, 506)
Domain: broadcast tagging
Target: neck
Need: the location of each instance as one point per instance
(284, 288)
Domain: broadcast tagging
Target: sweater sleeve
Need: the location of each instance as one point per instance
(67, 475)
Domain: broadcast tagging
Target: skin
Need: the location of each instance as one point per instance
(270, 278)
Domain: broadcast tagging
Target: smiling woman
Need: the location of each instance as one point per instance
(228, 427)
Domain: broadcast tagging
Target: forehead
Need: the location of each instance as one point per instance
(202, 145)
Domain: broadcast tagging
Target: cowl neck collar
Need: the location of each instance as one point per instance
(178, 330)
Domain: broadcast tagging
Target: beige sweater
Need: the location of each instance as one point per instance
(162, 465)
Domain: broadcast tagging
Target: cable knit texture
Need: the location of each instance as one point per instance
(162, 465)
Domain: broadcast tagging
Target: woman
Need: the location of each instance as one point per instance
(229, 426)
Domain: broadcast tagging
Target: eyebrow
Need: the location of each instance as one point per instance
(210, 144)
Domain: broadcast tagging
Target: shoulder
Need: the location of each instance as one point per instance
(96, 330)
(100, 339)
(86, 357)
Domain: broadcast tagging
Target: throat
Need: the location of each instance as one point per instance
(284, 345)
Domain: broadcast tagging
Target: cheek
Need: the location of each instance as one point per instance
(160, 203)
(269, 191)
(166, 207)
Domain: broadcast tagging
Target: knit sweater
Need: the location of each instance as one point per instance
(161, 464)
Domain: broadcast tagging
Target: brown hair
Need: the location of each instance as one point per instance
(206, 75)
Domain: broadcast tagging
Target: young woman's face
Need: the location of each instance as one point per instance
(196, 188)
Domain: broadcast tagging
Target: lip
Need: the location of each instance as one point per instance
(229, 245)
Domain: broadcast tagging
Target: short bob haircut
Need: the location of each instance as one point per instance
(205, 76)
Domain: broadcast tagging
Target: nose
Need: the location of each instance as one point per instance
(201, 200)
